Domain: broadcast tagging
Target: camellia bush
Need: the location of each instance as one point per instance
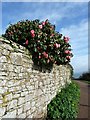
(47, 46)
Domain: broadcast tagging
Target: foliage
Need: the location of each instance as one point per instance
(64, 105)
(85, 76)
(46, 45)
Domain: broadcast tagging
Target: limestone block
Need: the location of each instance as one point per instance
(16, 58)
(32, 110)
(36, 84)
(23, 115)
(10, 114)
(3, 59)
(9, 97)
(15, 96)
(1, 66)
(27, 106)
(7, 46)
(5, 52)
(21, 100)
(12, 104)
(20, 75)
(28, 97)
(31, 87)
(3, 90)
(3, 82)
(1, 102)
(10, 83)
(33, 103)
(31, 117)
(0, 52)
(38, 92)
(2, 111)
(17, 69)
(10, 67)
(24, 93)
(28, 113)
(3, 74)
(20, 110)
(11, 75)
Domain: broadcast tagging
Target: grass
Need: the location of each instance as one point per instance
(86, 81)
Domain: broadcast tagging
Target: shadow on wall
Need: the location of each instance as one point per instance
(43, 69)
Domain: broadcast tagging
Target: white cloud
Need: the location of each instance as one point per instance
(79, 42)
(80, 63)
(78, 34)
(54, 12)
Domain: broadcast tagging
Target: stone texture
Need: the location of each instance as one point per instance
(25, 89)
(10, 114)
(2, 111)
(3, 59)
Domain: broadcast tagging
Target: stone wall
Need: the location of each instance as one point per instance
(25, 90)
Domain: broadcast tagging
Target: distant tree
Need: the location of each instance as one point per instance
(85, 76)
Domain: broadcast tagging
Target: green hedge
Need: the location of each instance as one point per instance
(64, 105)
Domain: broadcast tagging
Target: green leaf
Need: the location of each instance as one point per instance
(35, 49)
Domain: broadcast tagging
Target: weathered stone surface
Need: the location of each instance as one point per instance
(21, 100)
(9, 97)
(2, 111)
(25, 89)
(12, 104)
(16, 58)
(3, 59)
(22, 115)
(10, 114)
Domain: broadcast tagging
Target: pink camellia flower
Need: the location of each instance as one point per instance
(39, 56)
(33, 35)
(11, 32)
(45, 54)
(68, 57)
(57, 45)
(48, 60)
(66, 39)
(43, 23)
(67, 52)
(26, 42)
(40, 26)
(32, 31)
(52, 35)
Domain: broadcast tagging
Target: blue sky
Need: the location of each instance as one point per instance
(70, 18)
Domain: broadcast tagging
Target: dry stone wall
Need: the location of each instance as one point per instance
(25, 89)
